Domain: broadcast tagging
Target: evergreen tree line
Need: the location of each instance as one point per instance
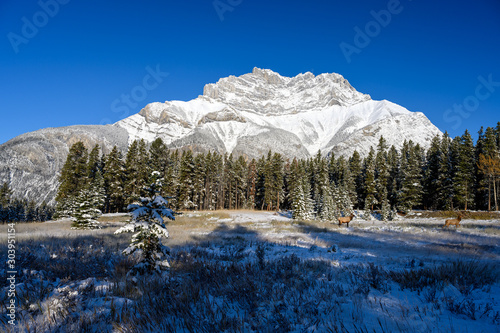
(21, 210)
(452, 174)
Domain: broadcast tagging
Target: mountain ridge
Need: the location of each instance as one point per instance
(245, 115)
(310, 109)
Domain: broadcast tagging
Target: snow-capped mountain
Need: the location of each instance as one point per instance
(246, 115)
(295, 116)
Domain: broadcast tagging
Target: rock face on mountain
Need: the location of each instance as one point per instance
(31, 162)
(246, 115)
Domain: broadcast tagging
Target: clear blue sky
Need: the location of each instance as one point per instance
(84, 55)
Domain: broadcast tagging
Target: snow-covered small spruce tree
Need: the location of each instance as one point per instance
(385, 208)
(84, 211)
(149, 227)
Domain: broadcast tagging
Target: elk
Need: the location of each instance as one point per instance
(345, 219)
(455, 222)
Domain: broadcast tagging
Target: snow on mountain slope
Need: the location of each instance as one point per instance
(298, 115)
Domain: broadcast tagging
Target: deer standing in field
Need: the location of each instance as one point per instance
(345, 219)
(454, 222)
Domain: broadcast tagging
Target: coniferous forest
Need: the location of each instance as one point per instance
(453, 174)
(22, 210)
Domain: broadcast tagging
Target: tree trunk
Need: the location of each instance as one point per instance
(495, 194)
(466, 199)
(489, 196)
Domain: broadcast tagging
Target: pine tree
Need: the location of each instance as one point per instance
(393, 169)
(381, 171)
(431, 174)
(114, 178)
(97, 186)
(346, 186)
(73, 178)
(490, 167)
(327, 206)
(211, 177)
(410, 192)
(268, 182)
(171, 183)
(136, 170)
(199, 178)
(277, 180)
(186, 186)
(158, 157)
(464, 175)
(240, 178)
(357, 175)
(260, 184)
(445, 190)
(251, 184)
(148, 225)
(94, 162)
(370, 185)
(385, 208)
(229, 182)
(343, 201)
(5, 195)
(301, 201)
(309, 212)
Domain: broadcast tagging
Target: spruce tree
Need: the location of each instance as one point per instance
(149, 228)
(85, 206)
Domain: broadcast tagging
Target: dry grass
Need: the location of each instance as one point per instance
(226, 276)
(472, 215)
(121, 218)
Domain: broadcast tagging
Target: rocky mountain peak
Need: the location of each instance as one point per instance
(267, 92)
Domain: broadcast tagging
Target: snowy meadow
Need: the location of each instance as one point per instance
(257, 271)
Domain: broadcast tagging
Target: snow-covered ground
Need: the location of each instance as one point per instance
(261, 271)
